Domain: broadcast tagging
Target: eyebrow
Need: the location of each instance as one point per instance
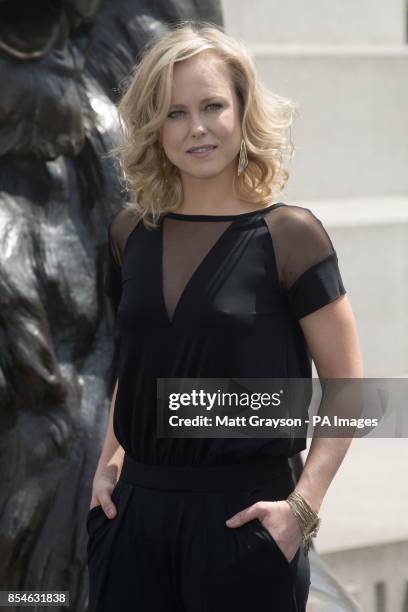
(204, 100)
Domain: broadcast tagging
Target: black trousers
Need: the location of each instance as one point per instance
(168, 548)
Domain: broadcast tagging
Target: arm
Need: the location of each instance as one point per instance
(111, 458)
(109, 464)
(332, 338)
(331, 335)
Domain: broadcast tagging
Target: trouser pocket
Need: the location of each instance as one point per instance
(107, 538)
(296, 572)
(245, 570)
(273, 491)
(264, 534)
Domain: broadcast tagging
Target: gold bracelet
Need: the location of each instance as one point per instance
(309, 521)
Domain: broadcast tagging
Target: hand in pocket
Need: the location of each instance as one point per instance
(103, 486)
(278, 519)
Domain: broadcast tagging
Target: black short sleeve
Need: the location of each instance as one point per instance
(317, 286)
(307, 262)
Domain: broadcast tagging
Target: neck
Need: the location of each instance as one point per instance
(210, 195)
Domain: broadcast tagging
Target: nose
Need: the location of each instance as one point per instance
(197, 126)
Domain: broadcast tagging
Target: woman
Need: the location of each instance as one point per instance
(210, 279)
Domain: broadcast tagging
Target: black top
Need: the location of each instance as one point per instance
(208, 296)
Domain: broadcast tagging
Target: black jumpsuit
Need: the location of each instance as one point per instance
(205, 296)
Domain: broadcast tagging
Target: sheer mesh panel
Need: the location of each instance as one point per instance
(299, 240)
(185, 246)
(120, 226)
(306, 260)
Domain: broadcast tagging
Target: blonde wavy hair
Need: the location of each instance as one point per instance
(153, 182)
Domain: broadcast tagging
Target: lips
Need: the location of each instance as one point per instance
(202, 148)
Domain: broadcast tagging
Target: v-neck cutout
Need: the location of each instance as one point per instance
(205, 243)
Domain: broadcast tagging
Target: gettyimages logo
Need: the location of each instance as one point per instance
(207, 400)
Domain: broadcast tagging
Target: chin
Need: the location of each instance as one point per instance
(208, 172)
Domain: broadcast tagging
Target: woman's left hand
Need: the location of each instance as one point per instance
(277, 517)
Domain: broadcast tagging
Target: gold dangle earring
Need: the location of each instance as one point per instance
(243, 159)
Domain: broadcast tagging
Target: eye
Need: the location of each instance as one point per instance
(172, 113)
(213, 104)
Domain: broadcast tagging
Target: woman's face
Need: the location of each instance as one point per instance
(204, 111)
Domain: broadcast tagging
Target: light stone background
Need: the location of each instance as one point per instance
(346, 65)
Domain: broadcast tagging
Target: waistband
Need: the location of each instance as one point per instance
(244, 476)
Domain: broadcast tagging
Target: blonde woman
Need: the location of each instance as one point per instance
(210, 278)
